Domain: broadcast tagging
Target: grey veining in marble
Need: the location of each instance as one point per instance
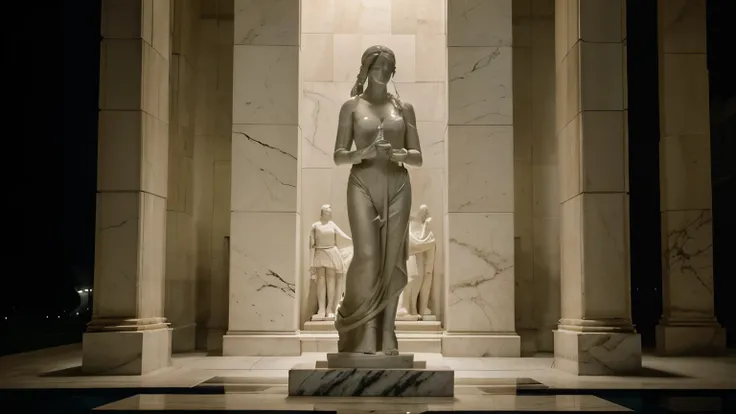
(329, 382)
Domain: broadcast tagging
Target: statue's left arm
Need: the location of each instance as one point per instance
(411, 154)
(341, 233)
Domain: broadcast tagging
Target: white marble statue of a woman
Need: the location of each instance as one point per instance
(327, 264)
(414, 300)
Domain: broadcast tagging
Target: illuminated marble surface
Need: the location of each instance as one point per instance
(376, 405)
(59, 367)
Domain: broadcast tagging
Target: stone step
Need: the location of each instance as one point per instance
(401, 326)
(408, 342)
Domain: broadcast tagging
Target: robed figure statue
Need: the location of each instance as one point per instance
(383, 129)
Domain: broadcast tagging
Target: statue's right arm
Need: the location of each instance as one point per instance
(312, 242)
(344, 141)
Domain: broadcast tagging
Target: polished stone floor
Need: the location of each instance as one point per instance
(50, 381)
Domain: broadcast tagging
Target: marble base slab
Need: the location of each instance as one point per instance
(369, 361)
(126, 352)
(308, 381)
(703, 340)
(597, 353)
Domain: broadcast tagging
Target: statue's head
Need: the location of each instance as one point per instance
(377, 65)
(326, 212)
(423, 212)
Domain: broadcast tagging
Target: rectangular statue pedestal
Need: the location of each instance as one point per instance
(309, 380)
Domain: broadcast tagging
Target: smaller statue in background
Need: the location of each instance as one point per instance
(328, 264)
(414, 300)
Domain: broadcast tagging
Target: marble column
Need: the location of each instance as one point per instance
(523, 200)
(545, 173)
(688, 324)
(180, 227)
(264, 221)
(595, 335)
(479, 317)
(536, 201)
(128, 334)
(214, 125)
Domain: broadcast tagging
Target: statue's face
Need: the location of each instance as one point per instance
(423, 213)
(381, 70)
(327, 212)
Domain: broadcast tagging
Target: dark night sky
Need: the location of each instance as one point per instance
(56, 59)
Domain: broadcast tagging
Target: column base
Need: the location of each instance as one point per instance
(479, 345)
(694, 340)
(126, 352)
(247, 344)
(597, 353)
(183, 338)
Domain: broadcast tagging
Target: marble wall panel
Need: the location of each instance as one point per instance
(266, 22)
(262, 276)
(480, 169)
(685, 103)
(267, 92)
(428, 99)
(482, 253)
(480, 86)
(684, 183)
(465, 18)
(422, 17)
(683, 25)
(321, 103)
(687, 263)
(317, 58)
(264, 168)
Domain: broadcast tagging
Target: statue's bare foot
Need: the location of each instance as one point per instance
(402, 312)
(320, 313)
(330, 315)
(390, 343)
(426, 311)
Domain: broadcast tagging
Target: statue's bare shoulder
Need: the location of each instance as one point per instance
(350, 105)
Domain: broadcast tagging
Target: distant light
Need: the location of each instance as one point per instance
(77, 313)
(80, 291)
(58, 317)
(47, 316)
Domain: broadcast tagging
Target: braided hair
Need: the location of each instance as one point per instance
(366, 61)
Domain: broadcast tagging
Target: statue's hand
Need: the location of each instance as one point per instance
(399, 155)
(384, 148)
(366, 153)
